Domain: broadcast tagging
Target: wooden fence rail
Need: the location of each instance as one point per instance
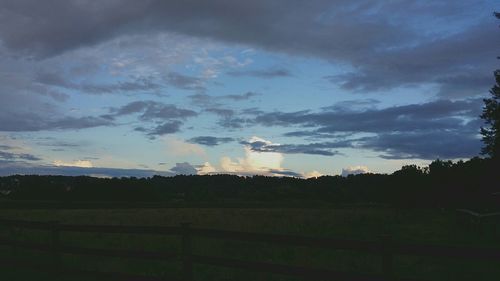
(385, 247)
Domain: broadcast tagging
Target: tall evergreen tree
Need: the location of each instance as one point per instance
(491, 115)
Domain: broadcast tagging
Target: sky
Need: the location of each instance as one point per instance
(279, 88)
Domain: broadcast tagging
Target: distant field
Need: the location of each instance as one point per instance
(413, 225)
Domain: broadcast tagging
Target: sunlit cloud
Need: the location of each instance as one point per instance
(254, 161)
(206, 169)
(77, 163)
(355, 170)
(312, 174)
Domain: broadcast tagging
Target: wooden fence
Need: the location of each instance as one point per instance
(384, 247)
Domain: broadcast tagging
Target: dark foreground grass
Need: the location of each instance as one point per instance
(440, 227)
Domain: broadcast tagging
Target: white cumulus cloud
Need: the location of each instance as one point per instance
(254, 162)
(355, 170)
(206, 169)
(312, 174)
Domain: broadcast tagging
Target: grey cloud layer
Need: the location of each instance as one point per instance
(210, 141)
(382, 44)
(388, 43)
(139, 84)
(149, 110)
(168, 118)
(439, 129)
(31, 26)
(27, 122)
(427, 145)
(11, 156)
(262, 73)
(185, 82)
(324, 148)
(441, 114)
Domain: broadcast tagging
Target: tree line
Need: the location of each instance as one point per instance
(441, 184)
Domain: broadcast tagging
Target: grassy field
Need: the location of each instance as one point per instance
(441, 227)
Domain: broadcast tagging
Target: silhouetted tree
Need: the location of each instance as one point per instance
(411, 170)
(491, 115)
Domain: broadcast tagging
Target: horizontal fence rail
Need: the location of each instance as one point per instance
(101, 275)
(384, 247)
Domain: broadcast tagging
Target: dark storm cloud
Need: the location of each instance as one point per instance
(210, 141)
(389, 43)
(262, 73)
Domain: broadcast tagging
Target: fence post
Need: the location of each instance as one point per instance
(387, 256)
(187, 263)
(55, 246)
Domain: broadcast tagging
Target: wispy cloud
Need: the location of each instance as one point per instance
(185, 82)
(210, 141)
(12, 156)
(167, 118)
(261, 73)
(138, 84)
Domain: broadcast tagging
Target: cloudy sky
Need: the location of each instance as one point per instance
(282, 87)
